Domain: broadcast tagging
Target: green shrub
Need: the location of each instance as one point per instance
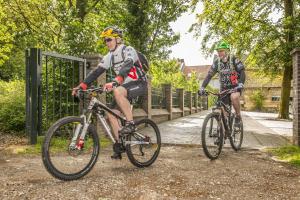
(211, 98)
(12, 106)
(257, 98)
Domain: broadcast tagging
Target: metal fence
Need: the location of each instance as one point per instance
(158, 100)
(186, 99)
(175, 98)
(49, 78)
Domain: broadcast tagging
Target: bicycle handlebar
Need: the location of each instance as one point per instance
(225, 92)
(97, 89)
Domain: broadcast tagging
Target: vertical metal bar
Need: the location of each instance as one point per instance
(60, 89)
(84, 75)
(47, 91)
(40, 96)
(84, 69)
(67, 86)
(33, 64)
(53, 90)
(73, 77)
(80, 75)
(28, 93)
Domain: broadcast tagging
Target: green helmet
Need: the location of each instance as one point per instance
(222, 45)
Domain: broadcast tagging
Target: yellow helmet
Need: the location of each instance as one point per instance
(111, 32)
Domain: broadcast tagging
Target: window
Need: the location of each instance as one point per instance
(275, 98)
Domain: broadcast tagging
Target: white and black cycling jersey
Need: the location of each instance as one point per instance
(124, 61)
(115, 60)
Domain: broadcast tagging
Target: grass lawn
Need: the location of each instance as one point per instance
(290, 154)
(60, 145)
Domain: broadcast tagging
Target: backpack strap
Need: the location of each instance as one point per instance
(113, 57)
(231, 63)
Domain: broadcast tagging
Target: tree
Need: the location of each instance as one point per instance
(7, 28)
(73, 27)
(262, 32)
(168, 71)
(148, 25)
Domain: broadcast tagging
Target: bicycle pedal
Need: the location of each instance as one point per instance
(116, 157)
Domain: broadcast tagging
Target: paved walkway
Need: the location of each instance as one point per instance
(187, 130)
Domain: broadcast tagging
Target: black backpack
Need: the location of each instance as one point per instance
(142, 58)
(143, 61)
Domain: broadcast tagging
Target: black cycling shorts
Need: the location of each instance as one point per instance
(134, 89)
(227, 100)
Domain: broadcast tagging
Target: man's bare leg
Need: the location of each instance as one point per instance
(117, 147)
(120, 94)
(235, 100)
(114, 123)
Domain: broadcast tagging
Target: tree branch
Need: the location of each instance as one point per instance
(92, 7)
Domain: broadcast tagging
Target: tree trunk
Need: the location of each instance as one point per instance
(288, 69)
(81, 6)
(285, 92)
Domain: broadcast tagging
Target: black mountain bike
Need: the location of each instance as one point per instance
(219, 126)
(71, 146)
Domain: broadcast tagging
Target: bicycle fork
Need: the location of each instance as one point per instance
(78, 139)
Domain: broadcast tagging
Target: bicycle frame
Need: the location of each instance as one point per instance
(225, 110)
(97, 107)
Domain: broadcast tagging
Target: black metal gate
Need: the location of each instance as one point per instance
(49, 78)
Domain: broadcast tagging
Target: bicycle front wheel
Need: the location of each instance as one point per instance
(212, 136)
(143, 146)
(237, 135)
(64, 154)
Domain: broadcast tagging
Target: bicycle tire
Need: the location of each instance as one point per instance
(232, 138)
(220, 135)
(51, 168)
(129, 149)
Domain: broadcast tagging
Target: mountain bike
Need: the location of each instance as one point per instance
(219, 126)
(71, 146)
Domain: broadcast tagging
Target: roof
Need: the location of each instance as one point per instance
(200, 70)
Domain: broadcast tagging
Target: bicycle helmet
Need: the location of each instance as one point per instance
(112, 31)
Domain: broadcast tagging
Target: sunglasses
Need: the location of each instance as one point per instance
(107, 40)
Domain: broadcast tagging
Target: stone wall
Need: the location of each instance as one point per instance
(296, 101)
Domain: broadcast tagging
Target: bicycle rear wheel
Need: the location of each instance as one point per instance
(64, 155)
(143, 146)
(237, 135)
(212, 136)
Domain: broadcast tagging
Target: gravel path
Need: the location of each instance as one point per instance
(181, 172)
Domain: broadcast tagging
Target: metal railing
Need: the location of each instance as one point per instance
(175, 99)
(49, 78)
(187, 100)
(158, 100)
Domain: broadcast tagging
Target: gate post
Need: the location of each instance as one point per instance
(33, 94)
(296, 101)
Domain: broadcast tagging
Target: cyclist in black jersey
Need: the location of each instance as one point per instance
(232, 76)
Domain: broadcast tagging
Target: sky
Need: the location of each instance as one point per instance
(188, 48)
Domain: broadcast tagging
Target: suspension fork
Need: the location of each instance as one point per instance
(78, 140)
(86, 123)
